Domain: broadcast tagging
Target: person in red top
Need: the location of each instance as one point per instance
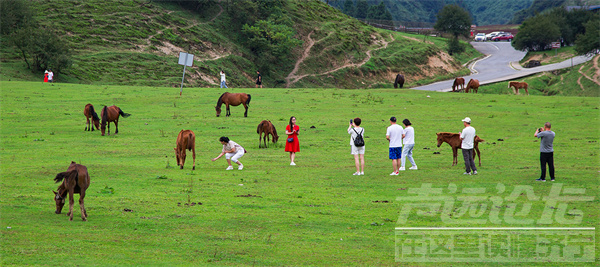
(292, 145)
(46, 76)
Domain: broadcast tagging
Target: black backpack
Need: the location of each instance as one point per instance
(358, 140)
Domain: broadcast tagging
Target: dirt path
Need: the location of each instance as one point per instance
(594, 78)
(293, 78)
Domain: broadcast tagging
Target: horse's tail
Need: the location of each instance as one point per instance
(60, 176)
(104, 116)
(123, 114)
(259, 126)
(191, 141)
(94, 114)
(248, 101)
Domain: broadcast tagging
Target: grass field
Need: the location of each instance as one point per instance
(143, 210)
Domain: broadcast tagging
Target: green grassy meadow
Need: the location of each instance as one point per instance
(143, 210)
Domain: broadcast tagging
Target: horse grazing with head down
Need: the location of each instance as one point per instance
(74, 181)
(458, 82)
(473, 84)
(230, 99)
(267, 128)
(399, 81)
(518, 85)
(90, 114)
(111, 114)
(453, 139)
(185, 140)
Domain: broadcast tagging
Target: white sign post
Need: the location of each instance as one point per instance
(185, 59)
(556, 46)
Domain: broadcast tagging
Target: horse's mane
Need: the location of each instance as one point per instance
(94, 114)
(274, 130)
(104, 115)
(220, 101)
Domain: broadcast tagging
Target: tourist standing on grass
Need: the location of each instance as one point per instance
(50, 76)
(223, 80)
(232, 151)
(292, 144)
(394, 136)
(354, 130)
(46, 76)
(546, 150)
(468, 136)
(408, 138)
(258, 80)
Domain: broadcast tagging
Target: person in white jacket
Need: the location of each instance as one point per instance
(223, 80)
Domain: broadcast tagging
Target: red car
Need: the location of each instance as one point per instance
(507, 37)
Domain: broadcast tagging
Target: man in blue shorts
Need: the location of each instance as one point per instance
(394, 136)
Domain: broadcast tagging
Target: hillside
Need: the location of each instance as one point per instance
(137, 42)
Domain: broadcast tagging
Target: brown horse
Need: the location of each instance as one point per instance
(74, 181)
(90, 113)
(473, 84)
(111, 114)
(399, 81)
(453, 139)
(518, 85)
(233, 100)
(458, 82)
(185, 140)
(267, 128)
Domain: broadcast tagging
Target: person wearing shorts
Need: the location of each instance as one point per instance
(394, 136)
(358, 152)
(258, 79)
(232, 151)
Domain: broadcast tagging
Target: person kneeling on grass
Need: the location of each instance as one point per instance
(232, 151)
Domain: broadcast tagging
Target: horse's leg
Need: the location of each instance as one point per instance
(194, 157)
(228, 112)
(87, 123)
(478, 155)
(117, 126)
(71, 203)
(526, 91)
(246, 107)
(82, 206)
(454, 156)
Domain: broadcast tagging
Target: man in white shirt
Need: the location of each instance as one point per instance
(50, 76)
(468, 136)
(394, 136)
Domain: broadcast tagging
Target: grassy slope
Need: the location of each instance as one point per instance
(134, 42)
(316, 213)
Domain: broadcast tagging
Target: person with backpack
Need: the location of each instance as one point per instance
(357, 143)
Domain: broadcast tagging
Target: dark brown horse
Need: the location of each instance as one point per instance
(518, 85)
(111, 114)
(473, 84)
(453, 139)
(90, 114)
(74, 181)
(458, 82)
(185, 140)
(230, 99)
(399, 81)
(267, 128)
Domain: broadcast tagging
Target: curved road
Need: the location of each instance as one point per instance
(501, 63)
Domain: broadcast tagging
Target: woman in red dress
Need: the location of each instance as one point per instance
(46, 76)
(292, 145)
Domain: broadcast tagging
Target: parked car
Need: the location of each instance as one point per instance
(503, 37)
(491, 35)
(480, 37)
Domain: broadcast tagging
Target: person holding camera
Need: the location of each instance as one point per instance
(394, 136)
(357, 145)
(232, 151)
(292, 144)
(468, 137)
(546, 151)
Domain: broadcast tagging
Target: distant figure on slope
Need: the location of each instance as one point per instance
(258, 80)
(223, 80)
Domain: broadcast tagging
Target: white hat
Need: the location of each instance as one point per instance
(46, 72)
(467, 120)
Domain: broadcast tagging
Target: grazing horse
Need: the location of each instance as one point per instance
(518, 85)
(185, 140)
(74, 181)
(267, 128)
(473, 84)
(233, 100)
(453, 139)
(90, 113)
(111, 114)
(399, 81)
(458, 82)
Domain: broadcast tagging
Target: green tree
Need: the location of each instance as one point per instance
(43, 47)
(536, 34)
(588, 42)
(348, 8)
(270, 41)
(454, 20)
(14, 14)
(361, 9)
(379, 14)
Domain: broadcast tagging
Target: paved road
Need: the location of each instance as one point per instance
(500, 64)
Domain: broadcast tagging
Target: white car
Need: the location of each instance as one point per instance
(480, 37)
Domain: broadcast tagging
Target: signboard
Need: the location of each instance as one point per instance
(555, 44)
(185, 59)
